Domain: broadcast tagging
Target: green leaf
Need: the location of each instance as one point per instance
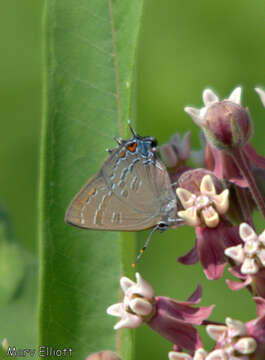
(90, 56)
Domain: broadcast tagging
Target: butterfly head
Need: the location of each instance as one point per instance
(144, 145)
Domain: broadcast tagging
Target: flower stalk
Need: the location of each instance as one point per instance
(241, 162)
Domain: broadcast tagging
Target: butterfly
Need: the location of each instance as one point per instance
(130, 192)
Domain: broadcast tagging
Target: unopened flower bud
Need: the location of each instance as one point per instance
(176, 151)
(227, 125)
(168, 155)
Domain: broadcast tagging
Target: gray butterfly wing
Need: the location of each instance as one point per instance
(140, 182)
(129, 193)
(96, 207)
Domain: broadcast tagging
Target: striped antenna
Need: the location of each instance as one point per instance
(131, 128)
(145, 245)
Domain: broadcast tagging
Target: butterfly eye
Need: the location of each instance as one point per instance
(132, 147)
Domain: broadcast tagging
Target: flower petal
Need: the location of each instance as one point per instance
(222, 202)
(168, 155)
(196, 295)
(200, 354)
(216, 332)
(235, 327)
(239, 181)
(126, 283)
(172, 355)
(190, 216)
(231, 237)
(209, 97)
(246, 345)
(190, 258)
(144, 288)
(256, 329)
(236, 253)
(176, 331)
(235, 95)
(247, 233)
(207, 185)
(260, 305)
(235, 271)
(210, 217)
(235, 285)
(218, 355)
(211, 251)
(249, 266)
(129, 321)
(255, 159)
(184, 149)
(195, 115)
(251, 247)
(115, 309)
(141, 307)
(183, 310)
(186, 197)
(261, 94)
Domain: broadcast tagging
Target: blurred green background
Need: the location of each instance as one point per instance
(184, 47)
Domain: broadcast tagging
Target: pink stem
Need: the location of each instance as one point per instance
(244, 206)
(240, 160)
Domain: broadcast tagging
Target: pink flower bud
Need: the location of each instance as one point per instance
(227, 125)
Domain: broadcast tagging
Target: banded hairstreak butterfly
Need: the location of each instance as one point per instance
(130, 192)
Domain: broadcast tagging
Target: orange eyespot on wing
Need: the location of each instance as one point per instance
(132, 147)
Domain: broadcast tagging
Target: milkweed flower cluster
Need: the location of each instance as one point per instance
(205, 208)
(249, 258)
(172, 319)
(216, 199)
